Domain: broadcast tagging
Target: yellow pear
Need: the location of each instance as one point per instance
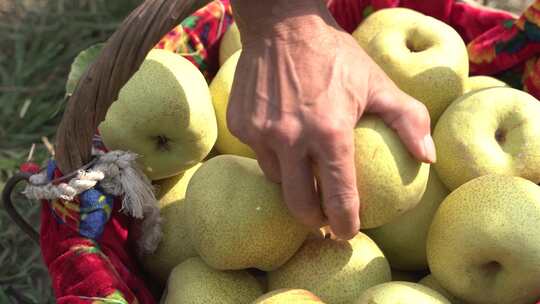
(398, 292)
(432, 283)
(175, 246)
(194, 282)
(237, 217)
(336, 271)
(390, 180)
(220, 88)
(424, 56)
(230, 43)
(288, 296)
(163, 113)
(484, 243)
(490, 131)
(481, 82)
(374, 23)
(403, 240)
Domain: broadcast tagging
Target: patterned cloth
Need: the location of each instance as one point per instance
(86, 247)
(500, 44)
(198, 37)
(87, 244)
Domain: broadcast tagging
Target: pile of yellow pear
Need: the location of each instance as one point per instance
(465, 229)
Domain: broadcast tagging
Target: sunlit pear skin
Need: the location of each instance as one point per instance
(164, 113)
(432, 283)
(481, 82)
(237, 217)
(484, 242)
(194, 282)
(175, 246)
(289, 296)
(403, 240)
(220, 88)
(230, 43)
(336, 271)
(375, 22)
(390, 180)
(425, 57)
(490, 131)
(399, 292)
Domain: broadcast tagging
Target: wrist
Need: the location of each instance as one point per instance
(280, 20)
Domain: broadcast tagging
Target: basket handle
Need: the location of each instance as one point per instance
(120, 58)
(10, 208)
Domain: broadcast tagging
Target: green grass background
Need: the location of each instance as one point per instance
(38, 42)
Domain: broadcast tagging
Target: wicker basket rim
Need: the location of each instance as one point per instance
(99, 86)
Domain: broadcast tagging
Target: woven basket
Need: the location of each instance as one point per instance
(99, 86)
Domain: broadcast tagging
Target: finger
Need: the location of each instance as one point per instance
(268, 162)
(298, 186)
(410, 119)
(241, 98)
(337, 174)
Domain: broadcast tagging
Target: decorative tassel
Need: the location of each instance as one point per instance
(117, 174)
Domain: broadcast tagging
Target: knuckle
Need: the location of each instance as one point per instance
(418, 108)
(335, 141)
(260, 126)
(285, 133)
(332, 130)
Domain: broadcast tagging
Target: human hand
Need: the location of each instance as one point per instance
(300, 87)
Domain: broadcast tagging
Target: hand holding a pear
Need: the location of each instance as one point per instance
(308, 84)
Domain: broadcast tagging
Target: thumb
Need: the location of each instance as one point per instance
(409, 118)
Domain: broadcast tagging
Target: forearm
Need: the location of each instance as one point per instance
(280, 18)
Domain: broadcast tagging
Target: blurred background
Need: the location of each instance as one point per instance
(38, 41)
(515, 6)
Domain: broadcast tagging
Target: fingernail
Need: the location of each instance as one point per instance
(429, 149)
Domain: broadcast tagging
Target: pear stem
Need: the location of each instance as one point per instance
(163, 143)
